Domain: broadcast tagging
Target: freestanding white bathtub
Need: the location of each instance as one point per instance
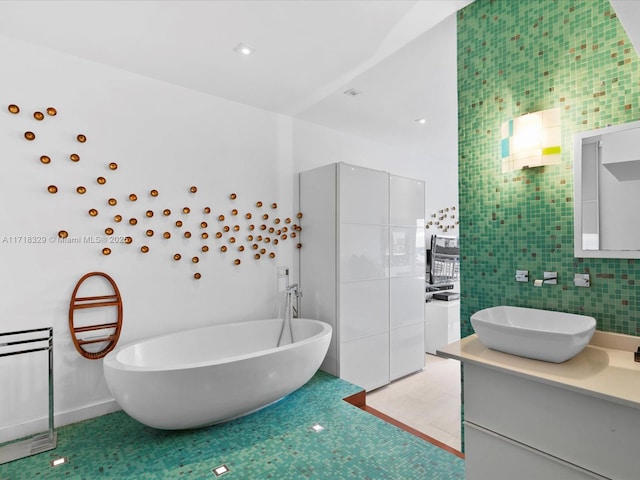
(212, 374)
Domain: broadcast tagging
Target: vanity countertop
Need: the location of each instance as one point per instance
(604, 369)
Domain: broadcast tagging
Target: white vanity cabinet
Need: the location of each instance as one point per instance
(362, 270)
(534, 420)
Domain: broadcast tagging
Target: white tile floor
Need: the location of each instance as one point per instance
(428, 401)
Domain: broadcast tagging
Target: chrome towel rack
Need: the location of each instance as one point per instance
(18, 343)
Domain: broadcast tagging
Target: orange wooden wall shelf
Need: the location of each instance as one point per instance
(77, 303)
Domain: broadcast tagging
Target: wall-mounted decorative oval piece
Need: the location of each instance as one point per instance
(275, 241)
(284, 230)
(223, 248)
(29, 136)
(299, 245)
(287, 220)
(221, 218)
(45, 159)
(108, 231)
(187, 234)
(197, 276)
(234, 212)
(81, 190)
(101, 180)
(93, 212)
(218, 234)
(81, 138)
(52, 112)
(109, 333)
(232, 239)
(207, 210)
(263, 227)
(133, 197)
(195, 259)
(236, 228)
(13, 108)
(255, 246)
(257, 256)
(74, 157)
(263, 251)
(38, 116)
(149, 213)
(52, 189)
(106, 251)
(225, 228)
(205, 235)
(271, 229)
(277, 221)
(177, 257)
(284, 236)
(112, 202)
(178, 223)
(237, 261)
(248, 216)
(299, 215)
(272, 255)
(267, 240)
(186, 210)
(250, 238)
(193, 189)
(278, 232)
(113, 166)
(203, 225)
(117, 218)
(133, 221)
(258, 204)
(149, 233)
(63, 234)
(274, 205)
(294, 234)
(265, 217)
(233, 196)
(144, 249)
(259, 238)
(166, 212)
(166, 235)
(154, 193)
(241, 248)
(128, 240)
(205, 248)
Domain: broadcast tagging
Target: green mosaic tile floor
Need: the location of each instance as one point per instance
(276, 442)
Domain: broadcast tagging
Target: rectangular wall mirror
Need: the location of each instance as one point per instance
(607, 192)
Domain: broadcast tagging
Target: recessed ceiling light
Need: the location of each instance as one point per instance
(421, 121)
(220, 470)
(316, 427)
(243, 49)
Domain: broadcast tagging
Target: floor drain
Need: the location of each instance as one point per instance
(221, 470)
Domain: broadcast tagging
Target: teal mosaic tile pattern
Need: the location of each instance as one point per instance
(522, 56)
(276, 442)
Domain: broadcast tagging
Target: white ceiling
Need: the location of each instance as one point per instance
(308, 52)
(399, 53)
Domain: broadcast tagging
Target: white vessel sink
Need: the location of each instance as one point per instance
(538, 334)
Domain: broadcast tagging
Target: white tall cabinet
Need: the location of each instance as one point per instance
(362, 270)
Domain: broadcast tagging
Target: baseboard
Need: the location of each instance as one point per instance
(39, 425)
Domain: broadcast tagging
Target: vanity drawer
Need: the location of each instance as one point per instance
(594, 433)
(488, 455)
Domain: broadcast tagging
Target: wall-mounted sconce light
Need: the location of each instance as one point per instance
(531, 140)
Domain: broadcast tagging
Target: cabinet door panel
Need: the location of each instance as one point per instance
(363, 252)
(364, 309)
(364, 195)
(406, 301)
(365, 362)
(406, 353)
(406, 201)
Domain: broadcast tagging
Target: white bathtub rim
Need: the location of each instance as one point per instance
(111, 359)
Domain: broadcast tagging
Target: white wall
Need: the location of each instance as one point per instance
(163, 137)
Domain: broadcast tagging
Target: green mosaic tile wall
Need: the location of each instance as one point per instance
(521, 56)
